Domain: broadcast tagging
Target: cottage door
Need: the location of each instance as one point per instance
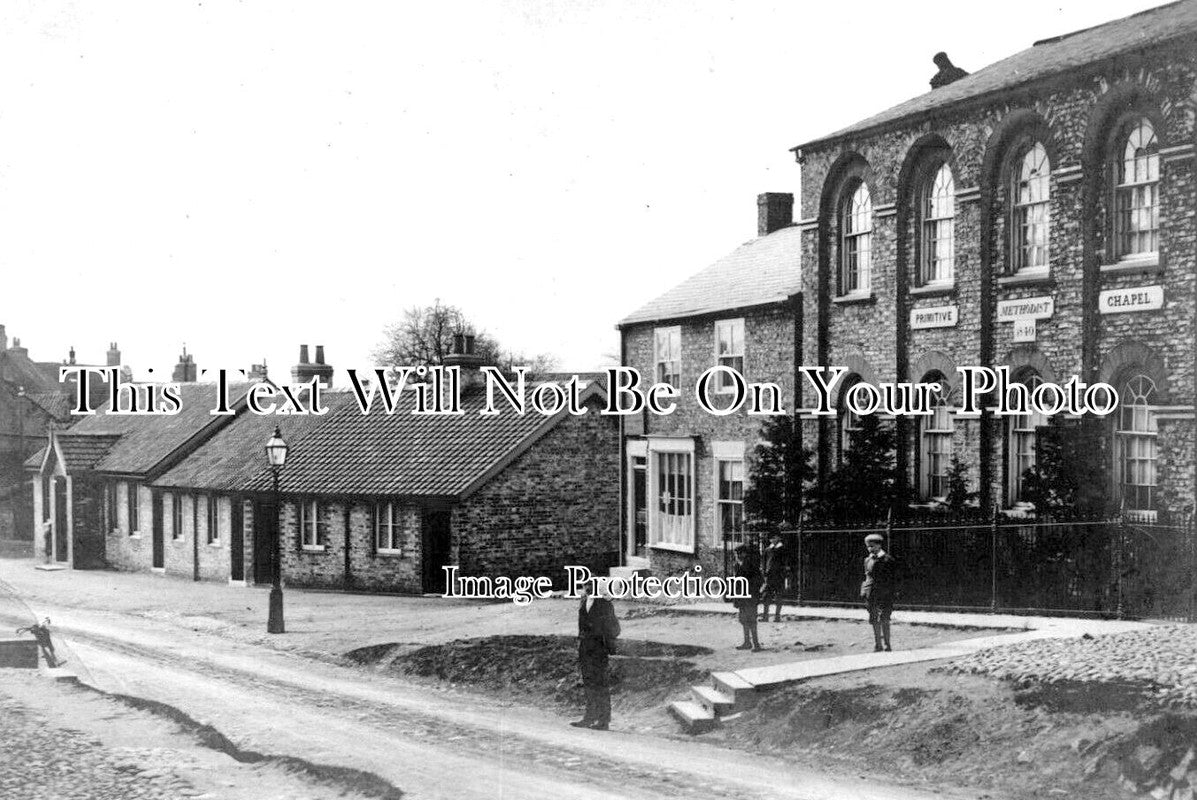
(436, 548)
(158, 544)
(61, 546)
(237, 539)
(639, 507)
(265, 529)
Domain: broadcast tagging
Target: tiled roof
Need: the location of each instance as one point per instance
(1048, 57)
(404, 454)
(83, 452)
(36, 376)
(57, 404)
(764, 270)
(146, 440)
(234, 457)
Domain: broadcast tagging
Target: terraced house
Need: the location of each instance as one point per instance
(372, 501)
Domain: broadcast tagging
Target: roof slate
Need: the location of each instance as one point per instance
(404, 454)
(234, 457)
(146, 440)
(83, 452)
(57, 404)
(1047, 57)
(763, 270)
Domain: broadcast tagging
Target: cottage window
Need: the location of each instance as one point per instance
(667, 347)
(1030, 223)
(849, 421)
(1137, 194)
(313, 525)
(730, 499)
(729, 351)
(935, 444)
(1135, 443)
(856, 243)
(938, 213)
(1021, 444)
(671, 501)
(387, 528)
(176, 515)
(205, 512)
(134, 509)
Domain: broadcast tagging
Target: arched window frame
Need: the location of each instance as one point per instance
(847, 421)
(937, 223)
(1136, 451)
(936, 433)
(1021, 439)
(856, 240)
(1134, 171)
(1030, 209)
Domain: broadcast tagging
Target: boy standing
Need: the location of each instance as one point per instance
(746, 607)
(878, 589)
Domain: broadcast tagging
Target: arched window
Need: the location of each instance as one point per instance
(1137, 192)
(849, 423)
(937, 211)
(935, 443)
(856, 245)
(1135, 444)
(1020, 444)
(1030, 217)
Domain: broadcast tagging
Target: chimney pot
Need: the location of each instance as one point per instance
(774, 211)
(303, 354)
(469, 344)
(3, 339)
(458, 344)
(319, 354)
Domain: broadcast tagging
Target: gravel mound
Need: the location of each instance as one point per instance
(1158, 663)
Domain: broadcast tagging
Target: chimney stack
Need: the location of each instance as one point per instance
(257, 372)
(464, 357)
(114, 355)
(185, 370)
(774, 211)
(72, 355)
(304, 371)
(3, 339)
(948, 72)
(16, 348)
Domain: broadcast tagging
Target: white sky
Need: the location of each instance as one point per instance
(245, 177)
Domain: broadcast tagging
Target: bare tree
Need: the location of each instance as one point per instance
(424, 336)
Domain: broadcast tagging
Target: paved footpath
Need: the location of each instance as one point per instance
(1023, 629)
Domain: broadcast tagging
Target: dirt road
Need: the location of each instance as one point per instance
(424, 742)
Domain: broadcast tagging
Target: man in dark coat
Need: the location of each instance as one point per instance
(746, 568)
(775, 578)
(879, 588)
(597, 631)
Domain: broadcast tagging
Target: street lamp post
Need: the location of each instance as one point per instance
(276, 454)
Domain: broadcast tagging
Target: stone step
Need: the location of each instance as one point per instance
(732, 685)
(713, 700)
(18, 653)
(694, 718)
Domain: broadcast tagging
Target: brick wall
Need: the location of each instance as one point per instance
(769, 349)
(1075, 118)
(556, 504)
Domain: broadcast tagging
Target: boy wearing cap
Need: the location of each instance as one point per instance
(878, 589)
